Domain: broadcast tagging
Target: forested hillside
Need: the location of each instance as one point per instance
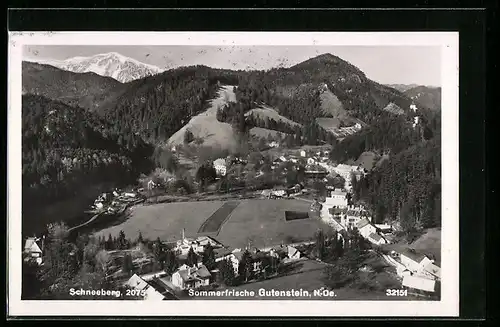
(65, 147)
(429, 97)
(68, 149)
(158, 106)
(407, 187)
(87, 90)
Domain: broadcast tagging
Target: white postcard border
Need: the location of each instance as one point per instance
(449, 304)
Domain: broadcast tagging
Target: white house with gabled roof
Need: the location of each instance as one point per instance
(33, 249)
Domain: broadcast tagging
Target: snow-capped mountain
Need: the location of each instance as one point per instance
(112, 64)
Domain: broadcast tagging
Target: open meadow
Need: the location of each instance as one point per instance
(164, 220)
(260, 223)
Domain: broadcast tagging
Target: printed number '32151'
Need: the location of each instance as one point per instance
(392, 292)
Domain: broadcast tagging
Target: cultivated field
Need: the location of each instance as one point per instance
(258, 222)
(215, 221)
(165, 220)
(262, 223)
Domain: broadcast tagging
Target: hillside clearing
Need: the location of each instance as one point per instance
(367, 160)
(331, 105)
(206, 126)
(429, 243)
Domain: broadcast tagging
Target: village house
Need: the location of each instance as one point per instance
(191, 277)
(365, 228)
(376, 239)
(352, 216)
(295, 189)
(384, 228)
(432, 271)
(220, 166)
(273, 144)
(293, 253)
(278, 193)
(279, 252)
(150, 293)
(302, 153)
(33, 250)
(336, 198)
(198, 245)
(151, 184)
(311, 161)
(234, 257)
(413, 260)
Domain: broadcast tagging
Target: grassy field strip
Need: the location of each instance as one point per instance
(218, 218)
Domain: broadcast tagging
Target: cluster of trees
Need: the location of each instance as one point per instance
(205, 174)
(407, 187)
(267, 265)
(83, 263)
(165, 257)
(67, 149)
(344, 256)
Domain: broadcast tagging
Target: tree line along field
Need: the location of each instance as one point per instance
(258, 223)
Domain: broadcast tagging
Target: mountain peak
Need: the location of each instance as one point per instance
(110, 64)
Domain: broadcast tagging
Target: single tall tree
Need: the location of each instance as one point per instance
(127, 265)
(209, 257)
(192, 258)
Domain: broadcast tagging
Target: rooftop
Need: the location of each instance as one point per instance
(412, 254)
(194, 273)
(375, 236)
(362, 223)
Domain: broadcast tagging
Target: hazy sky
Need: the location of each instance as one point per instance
(384, 64)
